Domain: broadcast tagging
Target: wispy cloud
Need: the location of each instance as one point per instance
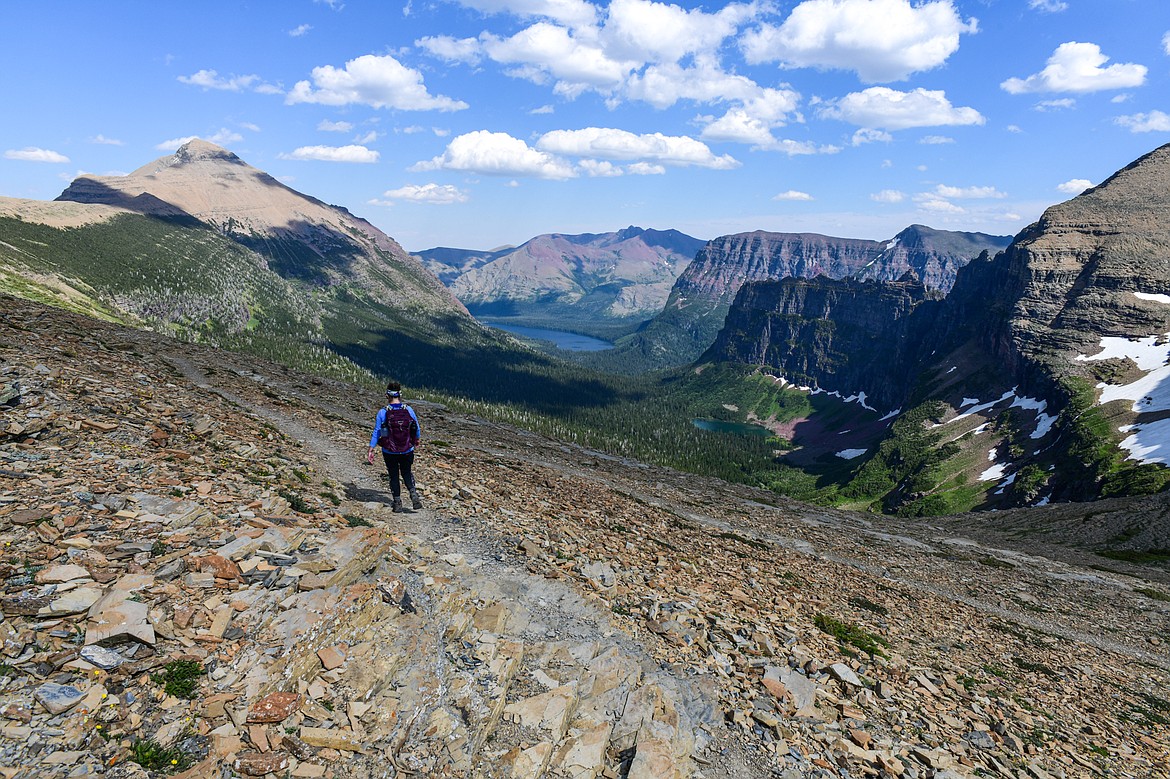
(35, 154)
(793, 194)
(104, 141)
(438, 194)
(300, 30)
(210, 79)
(888, 196)
(1153, 122)
(350, 153)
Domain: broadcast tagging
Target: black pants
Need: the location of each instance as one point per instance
(399, 463)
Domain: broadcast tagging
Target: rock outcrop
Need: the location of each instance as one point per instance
(833, 334)
(701, 297)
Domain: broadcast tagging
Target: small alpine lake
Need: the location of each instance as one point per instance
(562, 339)
(736, 428)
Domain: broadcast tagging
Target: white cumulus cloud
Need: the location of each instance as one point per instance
(1078, 67)
(890, 109)
(497, 154)
(451, 49)
(35, 154)
(865, 135)
(793, 194)
(1153, 122)
(209, 79)
(350, 153)
(882, 40)
(600, 168)
(376, 81)
(645, 169)
(966, 193)
(662, 32)
(610, 144)
(545, 50)
(940, 206)
(888, 196)
(440, 194)
(300, 30)
(1074, 186)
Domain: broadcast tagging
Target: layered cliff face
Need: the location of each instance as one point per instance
(935, 256)
(624, 275)
(1054, 354)
(701, 297)
(834, 334)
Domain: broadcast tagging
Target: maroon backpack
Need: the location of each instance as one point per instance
(399, 431)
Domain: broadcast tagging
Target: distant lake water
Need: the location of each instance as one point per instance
(740, 428)
(573, 342)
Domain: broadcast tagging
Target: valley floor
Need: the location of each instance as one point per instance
(566, 613)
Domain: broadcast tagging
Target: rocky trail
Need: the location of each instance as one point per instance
(203, 578)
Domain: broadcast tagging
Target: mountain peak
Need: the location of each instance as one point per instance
(198, 149)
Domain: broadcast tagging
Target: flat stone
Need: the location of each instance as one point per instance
(845, 674)
(275, 707)
(583, 757)
(76, 601)
(529, 763)
(331, 657)
(119, 621)
(106, 659)
(652, 760)
(57, 698)
(56, 574)
(331, 739)
(803, 692)
(260, 763)
(548, 711)
(220, 567)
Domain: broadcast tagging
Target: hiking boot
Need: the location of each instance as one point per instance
(397, 507)
(415, 500)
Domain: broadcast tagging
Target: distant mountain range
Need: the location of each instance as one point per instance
(695, 310)
(1042, 376)
(591, 281)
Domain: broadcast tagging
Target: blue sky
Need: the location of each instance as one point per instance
(479, 123)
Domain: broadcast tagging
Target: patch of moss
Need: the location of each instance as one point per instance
(153, 756)
(180, 678)
(854, 635)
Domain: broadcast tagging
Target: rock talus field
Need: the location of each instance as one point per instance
(202, 577)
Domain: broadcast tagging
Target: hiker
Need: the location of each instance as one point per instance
(397, 433)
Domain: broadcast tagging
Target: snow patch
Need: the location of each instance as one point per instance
(849, 454)
(952, 370)
(1148, 442)
(891, 415)
(1005, 484)
(994, 473)
(1154, 297)
(856, 398)
(1044, 421)
(892, 244)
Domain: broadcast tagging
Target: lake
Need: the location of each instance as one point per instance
(573, 342)
(739, 428)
